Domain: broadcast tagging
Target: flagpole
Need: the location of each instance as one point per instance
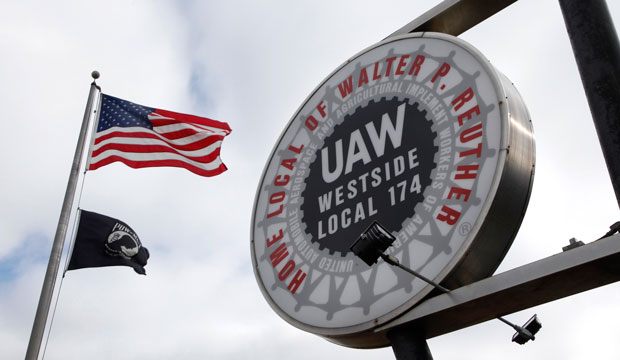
(40, 320)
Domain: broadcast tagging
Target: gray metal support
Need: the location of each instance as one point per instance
(564, 274)
(454, 17)
(595, 45)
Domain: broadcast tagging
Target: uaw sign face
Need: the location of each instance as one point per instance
(412, 133)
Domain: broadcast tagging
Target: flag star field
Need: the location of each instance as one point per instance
(116, 112)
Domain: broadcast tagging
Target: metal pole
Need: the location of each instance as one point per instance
(409, 343)
(394, 262)
(595, 46)
(40, 320)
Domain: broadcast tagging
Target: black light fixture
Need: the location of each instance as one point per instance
(372, 243)
(376, 239)
(527, 332)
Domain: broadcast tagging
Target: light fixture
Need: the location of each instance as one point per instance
(372, 243)
(527, 332)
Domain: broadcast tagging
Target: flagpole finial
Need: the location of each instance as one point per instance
(95, 74)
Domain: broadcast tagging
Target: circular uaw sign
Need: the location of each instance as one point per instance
(419, 133)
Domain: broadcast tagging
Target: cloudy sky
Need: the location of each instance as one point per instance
(252, 64)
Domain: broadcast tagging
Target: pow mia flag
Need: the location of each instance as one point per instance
(105, 241)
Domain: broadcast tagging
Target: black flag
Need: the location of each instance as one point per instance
(105, 241)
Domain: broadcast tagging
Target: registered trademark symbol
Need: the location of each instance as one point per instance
(465, 228)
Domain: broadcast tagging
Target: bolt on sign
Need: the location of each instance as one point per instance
(419, 133)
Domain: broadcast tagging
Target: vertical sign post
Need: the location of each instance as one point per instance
(595, 45)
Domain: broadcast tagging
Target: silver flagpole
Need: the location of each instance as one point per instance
(40, 320)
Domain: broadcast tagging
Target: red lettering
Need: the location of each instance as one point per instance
(311, 122)
(401, 65)
(469, 172)
(460, 100)
(321, 108)
(389, 65)
(297, 281)
(346, 87)
(289, 163)
(275, 238)
(296, 150)
(375, 73)
(449, 215)
(277, 197)
(468, 114)
(459, 193)
(442, 71)
(277, 212)
(363, 78)
(417, 64)
(286, 270)
(278, 255)
(471, 133)
(477, 151)
(281, 180)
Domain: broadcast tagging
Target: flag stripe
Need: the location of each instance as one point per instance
(220, 168)
(203, 155)
(160, 122)
(165, 125)
(182, 130)
(159, 156)
(189, 143)
(178, 134)
(195, 119)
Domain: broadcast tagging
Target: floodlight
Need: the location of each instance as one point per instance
(528, 331)
(372, 243)
(614, 228)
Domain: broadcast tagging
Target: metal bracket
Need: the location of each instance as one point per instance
(568, 273)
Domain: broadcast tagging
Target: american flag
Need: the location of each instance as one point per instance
(140, 136)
